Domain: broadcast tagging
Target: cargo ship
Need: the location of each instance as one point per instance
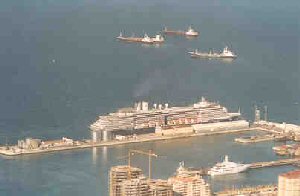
(158, 39)
(226, 53)
(190, 32)
(142, 119)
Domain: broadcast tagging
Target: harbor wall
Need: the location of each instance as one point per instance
(221, 126)
(174, 130)
(279, 127)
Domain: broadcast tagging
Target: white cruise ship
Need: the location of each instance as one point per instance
(142, 119)
(227, 167)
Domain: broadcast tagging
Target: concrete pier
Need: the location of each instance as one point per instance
(274, 163)
(14, 150)
(278, 128)
(261, 138)
(262, 190)
(255, 165)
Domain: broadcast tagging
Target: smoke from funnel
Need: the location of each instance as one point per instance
(153, 80)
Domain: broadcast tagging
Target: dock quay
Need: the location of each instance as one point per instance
(291, 131)
(280, 162)
(256, 165)
(261, 138)
(36, 146)
(277, 127)
(262, 190)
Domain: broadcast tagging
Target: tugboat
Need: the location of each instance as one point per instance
(227, 167)
(226, 53)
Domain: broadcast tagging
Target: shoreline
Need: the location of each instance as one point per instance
(140, 139)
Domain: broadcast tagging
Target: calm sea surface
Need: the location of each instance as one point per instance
(60, 67)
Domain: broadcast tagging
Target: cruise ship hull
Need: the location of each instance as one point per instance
(141, 117)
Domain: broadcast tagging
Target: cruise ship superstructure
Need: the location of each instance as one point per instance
(141, 119)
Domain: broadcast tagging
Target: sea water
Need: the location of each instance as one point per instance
(61, 67)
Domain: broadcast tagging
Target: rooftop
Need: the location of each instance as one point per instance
(185, 179)
(292, 174)
(124, 168)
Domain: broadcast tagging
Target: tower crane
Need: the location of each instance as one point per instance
(150, 154)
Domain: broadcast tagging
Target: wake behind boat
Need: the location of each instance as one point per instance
(227, 167)
(226, 53)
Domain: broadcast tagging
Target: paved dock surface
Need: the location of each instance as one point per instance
(262, 190)
(274, 163)
(90, 144)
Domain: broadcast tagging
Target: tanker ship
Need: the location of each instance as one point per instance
(158, 39)
(189, 33)
(142, 119)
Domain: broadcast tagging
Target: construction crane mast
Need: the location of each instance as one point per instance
(150, 154)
